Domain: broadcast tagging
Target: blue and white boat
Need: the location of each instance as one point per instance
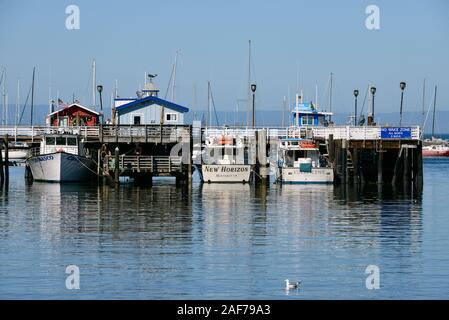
(299, 158)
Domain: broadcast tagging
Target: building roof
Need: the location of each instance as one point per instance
(72, 105)
(146, 101)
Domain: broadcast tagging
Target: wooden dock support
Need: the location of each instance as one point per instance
(2, 173)
(380, 166)
(117, 165)
(6, 160)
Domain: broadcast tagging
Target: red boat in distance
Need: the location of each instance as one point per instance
(435, 150)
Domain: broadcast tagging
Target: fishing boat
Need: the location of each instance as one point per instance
(223, 160)
(61, 158)
(435, 147)
(300, 161)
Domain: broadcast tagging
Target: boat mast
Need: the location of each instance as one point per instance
(248, 88)
(434, 104)
(316, 94)
(284, 104)
(94, 81)
(4, 96)
(17, 103)
(32, 97)
(174, 77)
(208, 105)
(330, 96)
(423, 95)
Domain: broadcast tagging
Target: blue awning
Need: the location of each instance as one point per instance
(143, 102)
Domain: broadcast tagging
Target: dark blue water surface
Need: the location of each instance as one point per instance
(224, 241)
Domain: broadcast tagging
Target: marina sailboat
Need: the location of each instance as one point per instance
(435, 147)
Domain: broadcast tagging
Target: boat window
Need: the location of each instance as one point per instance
(71, 141)
(50, 140)
(60, 141)
(307, 120)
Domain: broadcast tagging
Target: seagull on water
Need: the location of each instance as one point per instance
(293, 285)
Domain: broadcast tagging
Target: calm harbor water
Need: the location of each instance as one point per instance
(224, 241)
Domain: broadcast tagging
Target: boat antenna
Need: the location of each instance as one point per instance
(423, 95)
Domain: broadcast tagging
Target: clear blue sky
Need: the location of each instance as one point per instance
(130, 37)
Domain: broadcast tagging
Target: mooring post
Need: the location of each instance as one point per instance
(380, 166)
(406, 174)
(344, 160)
(355, 163)
(6, 160)
(2, 175)
(117, 165)
(419, 171)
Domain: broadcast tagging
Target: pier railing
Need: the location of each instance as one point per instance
(107, 133)
(338, 132)
(151, 164)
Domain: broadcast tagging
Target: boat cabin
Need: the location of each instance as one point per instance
(74, 114)
(299, 153)
(148, 108)
(60, 143)
(305, 114)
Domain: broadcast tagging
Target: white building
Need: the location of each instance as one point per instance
(148, 108)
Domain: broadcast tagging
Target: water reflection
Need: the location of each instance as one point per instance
(222, 240)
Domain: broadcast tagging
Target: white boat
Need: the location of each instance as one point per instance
(300, 162)
(223, 160)
(17, 152)
(61, 158)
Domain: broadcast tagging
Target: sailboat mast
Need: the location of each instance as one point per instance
(330, 96)
(423, 95)
(17, 102)
(94, 81)
(4, 96)
(248, 88)
(208, 122)
(32, 97)
(174, 78)
(434, 106)
(284, 104)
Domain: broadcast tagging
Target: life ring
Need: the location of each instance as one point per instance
(60, 150)
(138, 150)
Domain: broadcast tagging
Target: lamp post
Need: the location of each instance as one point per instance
(356, 93)
(373, 93)
(100, 90)
(402, 85)
(253, 89)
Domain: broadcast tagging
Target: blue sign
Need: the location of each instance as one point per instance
(396, 133)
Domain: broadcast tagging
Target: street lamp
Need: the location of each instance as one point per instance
(402, 85)
(100, 89)
(253, 89)
(373, 93)
(356, 93)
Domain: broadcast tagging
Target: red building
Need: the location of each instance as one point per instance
(73, 115)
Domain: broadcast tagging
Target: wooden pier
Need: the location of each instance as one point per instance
(359, 154)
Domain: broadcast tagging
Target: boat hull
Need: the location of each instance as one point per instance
(16, 154)
(61, 167)
(295, 176)
(226, 173)
(435, 153)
